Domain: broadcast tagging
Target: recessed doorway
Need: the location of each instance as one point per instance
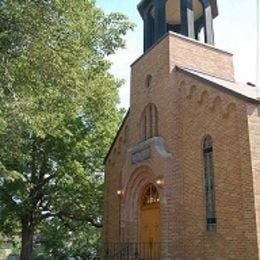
(149, 234)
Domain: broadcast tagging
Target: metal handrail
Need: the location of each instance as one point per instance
(132, 250)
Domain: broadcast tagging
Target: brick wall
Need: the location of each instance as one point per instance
(199, 56)
(208, 111)
(188, 110)
(253, 112)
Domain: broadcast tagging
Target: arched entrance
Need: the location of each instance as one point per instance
(149, 228)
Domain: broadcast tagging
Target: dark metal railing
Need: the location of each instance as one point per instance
(131, 251)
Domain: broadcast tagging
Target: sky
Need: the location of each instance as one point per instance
(235, 31)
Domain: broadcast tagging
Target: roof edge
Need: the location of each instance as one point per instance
(218, 86)
(116, 136)
(209, 46)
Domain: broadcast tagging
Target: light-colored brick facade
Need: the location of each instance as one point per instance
(189, 108)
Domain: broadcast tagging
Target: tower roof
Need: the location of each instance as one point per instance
(144, 3)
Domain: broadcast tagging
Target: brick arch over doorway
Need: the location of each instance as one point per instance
(130, 215)
(135, 176)
(131, 203)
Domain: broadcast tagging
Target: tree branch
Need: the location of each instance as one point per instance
(88, 219)
(64, 215)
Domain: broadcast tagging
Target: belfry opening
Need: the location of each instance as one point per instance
(186, 17)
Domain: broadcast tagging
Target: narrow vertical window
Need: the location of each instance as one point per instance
(148, 81)
(149, 122)
(211, 220)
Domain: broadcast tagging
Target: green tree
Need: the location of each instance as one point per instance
(57, 114)
(78, 240)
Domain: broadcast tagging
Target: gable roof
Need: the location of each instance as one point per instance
(117, 135)
(239, 90)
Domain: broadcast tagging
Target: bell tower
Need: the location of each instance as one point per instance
(186, 17)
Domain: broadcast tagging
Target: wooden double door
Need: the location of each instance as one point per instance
(150, 228)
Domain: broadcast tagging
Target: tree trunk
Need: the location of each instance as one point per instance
(27, 239)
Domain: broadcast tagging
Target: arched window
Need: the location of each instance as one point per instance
(149, 122)
(150, 196)
(148, 81)
(211, 220)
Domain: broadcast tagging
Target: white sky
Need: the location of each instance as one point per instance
(235, 31)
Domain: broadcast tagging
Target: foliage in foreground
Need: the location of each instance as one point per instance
(57, 117)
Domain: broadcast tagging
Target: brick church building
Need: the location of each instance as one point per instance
(182, 178)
